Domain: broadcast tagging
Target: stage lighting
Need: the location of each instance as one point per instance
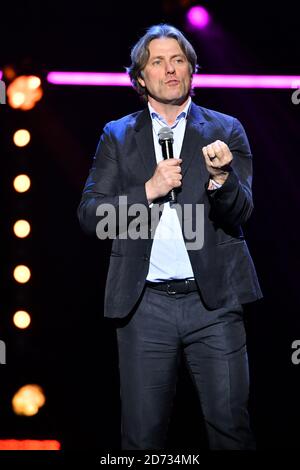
(21, 228)
(29, 444)
(24, 92)
(21, 183)
(22, 274)
(21, 137)
(198, 17)
(28, 400)
(21, 319)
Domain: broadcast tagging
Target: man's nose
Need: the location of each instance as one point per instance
(170, 67)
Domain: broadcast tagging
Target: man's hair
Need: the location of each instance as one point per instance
(140, 53)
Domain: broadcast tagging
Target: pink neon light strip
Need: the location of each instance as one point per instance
(203, 81)
(247, 81)
(89, 78)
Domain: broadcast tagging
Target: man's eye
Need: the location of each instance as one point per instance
(179, 61)
(156, 62)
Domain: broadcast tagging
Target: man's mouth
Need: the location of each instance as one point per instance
(172, 82)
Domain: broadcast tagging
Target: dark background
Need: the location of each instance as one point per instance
(69, 349)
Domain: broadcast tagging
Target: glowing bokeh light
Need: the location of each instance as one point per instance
(28, 400)
(22, 274)
(34, 82)
(21, 137)
(24, 92)
(21, 183)
(21, 228)
(198, 17)
(21, 319)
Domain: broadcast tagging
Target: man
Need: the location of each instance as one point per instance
(169, 297)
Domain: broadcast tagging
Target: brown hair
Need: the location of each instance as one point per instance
(140, 53)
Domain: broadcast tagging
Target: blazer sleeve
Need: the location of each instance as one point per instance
(104, 186)
(232, 203)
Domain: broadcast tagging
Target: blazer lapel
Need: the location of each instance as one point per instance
(145, 144)
(193, 138)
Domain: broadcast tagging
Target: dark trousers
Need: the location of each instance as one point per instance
(214, 345)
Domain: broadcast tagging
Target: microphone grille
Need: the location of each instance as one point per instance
(165, 133)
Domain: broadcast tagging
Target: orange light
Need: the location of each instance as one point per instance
(21, 137)
(28, 400)
(21, 319)
(22, 274)
(33, 82)
(21, 183)
(22, 228)
(29, 444)
(24, 92)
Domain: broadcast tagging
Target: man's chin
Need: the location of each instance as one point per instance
(178, 101)
(175, 101)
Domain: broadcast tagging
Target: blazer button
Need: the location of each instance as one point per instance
(146, 257)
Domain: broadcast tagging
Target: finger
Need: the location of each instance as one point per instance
(218, 148)
(226, 155)
(224, 147)
(222, 144)
(204, 151)
(210, 151)
(174, 161)
(205, 154)
(211, 158)
(176, 183)
(170, 162)
(207, 158)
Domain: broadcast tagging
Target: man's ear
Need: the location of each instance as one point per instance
(141, 82)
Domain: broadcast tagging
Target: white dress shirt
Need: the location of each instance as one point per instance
(169, 258)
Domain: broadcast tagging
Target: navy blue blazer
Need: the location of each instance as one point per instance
(125, 160)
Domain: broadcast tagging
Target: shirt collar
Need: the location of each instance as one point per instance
(183, 115)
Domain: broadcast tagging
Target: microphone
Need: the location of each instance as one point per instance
(165, 138)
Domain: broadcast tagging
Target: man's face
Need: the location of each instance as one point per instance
(166, 75)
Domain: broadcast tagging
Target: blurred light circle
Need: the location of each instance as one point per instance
(21, 183)
(24, 92)
(22, 274)
(21, 319)
(22, 228)
(198, 17)
(21, 137)
(28, 400)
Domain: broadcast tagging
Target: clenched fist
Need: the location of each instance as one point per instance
(167, 176)
(217, 158)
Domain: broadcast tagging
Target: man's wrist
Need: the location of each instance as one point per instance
(149, 192)
(220, 179)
